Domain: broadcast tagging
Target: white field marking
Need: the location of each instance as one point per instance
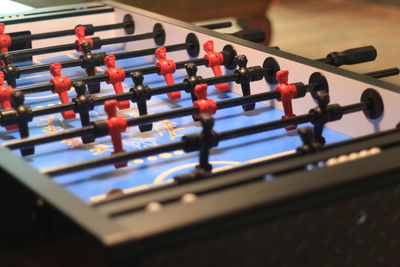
(152, 158)
(35, 76)
(101, 69)
(159, 181)
(165, 155)
(160, 178)
(70, 55)
(290, 152)
(42, 97)
(47, 96)
(37, 61)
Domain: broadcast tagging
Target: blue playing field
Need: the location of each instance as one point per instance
(142, 173)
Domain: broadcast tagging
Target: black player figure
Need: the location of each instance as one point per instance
(245, 79)
(90, 61)
(310, 144)
(193, 80)
(142, 93)
(24, 116)
(11, 72)
(322, 115)
(208, 137)
(202, 141)
(83, 105)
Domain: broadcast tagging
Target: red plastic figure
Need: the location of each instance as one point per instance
(215, 60)
(205, 105)
(80, 34)
(200, 91)
(115, 77)
(167, 68)
(116, 125)
(5, 97)
(5, 40)
(288, 92)
(62, 85)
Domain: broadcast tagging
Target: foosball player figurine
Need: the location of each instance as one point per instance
(24, 116)
(142, 93)
(215, 60)
(62, 85)
(206, 106)
(81, 38)
(5, 40)
(323, 115)
(10, 71)
(193, 80)
(83, 105)
(287, 93)
(209, 139)
(116, 125)
(167, 68)
(5, 97)
(115, 77)
(245, 80)
(310, 144)
(90, 61)
(203, 142)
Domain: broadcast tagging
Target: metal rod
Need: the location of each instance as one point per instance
(46, 35)
(218, 25)
(383, 73)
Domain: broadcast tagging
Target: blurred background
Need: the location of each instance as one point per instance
(309, 28)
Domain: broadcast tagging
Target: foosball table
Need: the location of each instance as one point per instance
(158, 142)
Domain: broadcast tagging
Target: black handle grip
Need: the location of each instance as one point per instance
(353, 56)
(253, 35)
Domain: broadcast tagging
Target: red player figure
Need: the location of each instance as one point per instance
(288, 92)
(5, 40)
(116, 125)
(215, 60)
(205, 105)
(167, 68)
(62, 85)
(200, 91)
(5, 97)
(115, 77)
(81, 35)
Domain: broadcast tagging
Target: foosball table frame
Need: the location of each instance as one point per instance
(346, 214)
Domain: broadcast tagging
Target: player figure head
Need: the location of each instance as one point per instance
(208, 46)
(56, 69)
(109, 61)
(161, 53)
(282, 76)
(80, 31)
(1, 28)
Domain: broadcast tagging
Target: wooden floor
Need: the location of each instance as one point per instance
(313, 28)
